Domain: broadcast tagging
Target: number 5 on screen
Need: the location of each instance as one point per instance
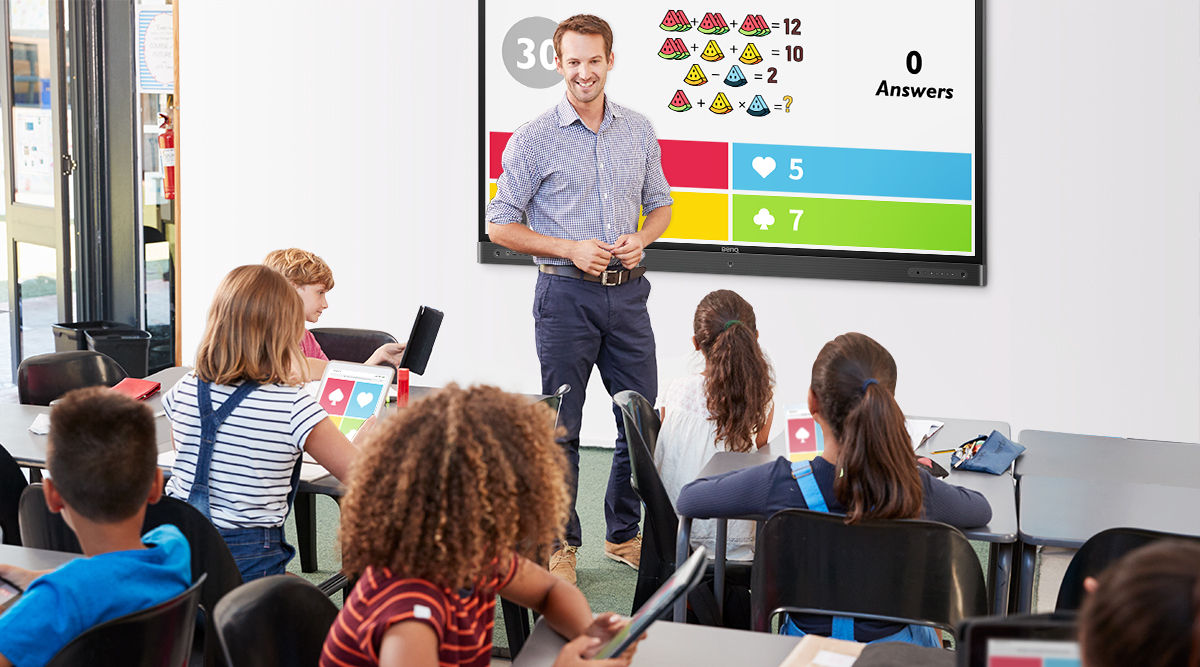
(797, 170)
(796, 222)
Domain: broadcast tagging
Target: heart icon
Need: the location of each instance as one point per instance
(763, 165)
(365, 398)
(335, 396)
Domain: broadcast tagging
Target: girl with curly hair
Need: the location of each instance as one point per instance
(453, 500)
(726, 407)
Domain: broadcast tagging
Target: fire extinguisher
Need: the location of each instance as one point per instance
(166, 155)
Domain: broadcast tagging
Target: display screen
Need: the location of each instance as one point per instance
(839, 138)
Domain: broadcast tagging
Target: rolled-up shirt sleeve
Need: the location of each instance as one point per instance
(517, 183)
(656, 193)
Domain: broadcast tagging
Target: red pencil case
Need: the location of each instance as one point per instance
(137, 388)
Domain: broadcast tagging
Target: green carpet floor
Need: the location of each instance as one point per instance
(607, 584)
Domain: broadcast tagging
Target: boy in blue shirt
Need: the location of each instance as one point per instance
(103, 471)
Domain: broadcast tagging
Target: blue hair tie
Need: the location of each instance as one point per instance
(867, 383)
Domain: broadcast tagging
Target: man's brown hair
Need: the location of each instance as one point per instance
(454, 485)
(102, 453)
(254, 329)
(584, 24)
(300, 267)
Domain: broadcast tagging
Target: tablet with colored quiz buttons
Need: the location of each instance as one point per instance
(353, 393)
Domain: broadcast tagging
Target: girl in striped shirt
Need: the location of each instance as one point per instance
(450, 504)
(241, 420)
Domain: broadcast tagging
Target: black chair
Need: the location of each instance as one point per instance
(12, 484)
(46, 377)
(41, 528)
(160, 636)
(355, 345)
(901, 571)
(274, 621)
(1100, 551)
(661, 522)
(211, 560)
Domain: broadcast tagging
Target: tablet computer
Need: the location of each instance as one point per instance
(685, 579)
(420, 339)
(1030, 639)
(353, 393)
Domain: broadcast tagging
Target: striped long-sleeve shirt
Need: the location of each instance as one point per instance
(461, 620)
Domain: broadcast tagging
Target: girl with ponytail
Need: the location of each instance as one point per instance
(726, 407)
(867, 471)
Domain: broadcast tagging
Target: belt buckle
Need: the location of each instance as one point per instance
(611, 272)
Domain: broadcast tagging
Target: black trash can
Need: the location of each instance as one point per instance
(127, 345)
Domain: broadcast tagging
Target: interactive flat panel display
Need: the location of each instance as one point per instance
(828, 138)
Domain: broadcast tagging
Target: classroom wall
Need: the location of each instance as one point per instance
(350, 129)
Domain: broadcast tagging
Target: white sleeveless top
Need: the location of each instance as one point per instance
(686, 442)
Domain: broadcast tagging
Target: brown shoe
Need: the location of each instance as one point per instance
(629, 552)
(562, 564)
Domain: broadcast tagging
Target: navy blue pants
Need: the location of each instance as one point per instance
(577, 325)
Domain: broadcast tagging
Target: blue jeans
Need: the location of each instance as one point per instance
(258, 552)
(578, 325)
(921, 635)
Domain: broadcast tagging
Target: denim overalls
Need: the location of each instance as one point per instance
(843, 626)
(260, 550)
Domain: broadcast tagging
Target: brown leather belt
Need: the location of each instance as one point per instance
(609, 278)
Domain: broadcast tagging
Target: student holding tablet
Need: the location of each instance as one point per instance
(449, 504)
(312, 278)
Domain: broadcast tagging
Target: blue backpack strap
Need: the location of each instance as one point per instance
(802, 473)
(843, 626)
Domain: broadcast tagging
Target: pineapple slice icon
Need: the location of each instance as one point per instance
(712, 53)
(750, 55)
(720, 105)
(695, 77)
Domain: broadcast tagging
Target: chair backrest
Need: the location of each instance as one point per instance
(211, 560)
(160, 636)
(355, 345)
(661, 522)
(41, 528)
(1100, 551)
(12, 484)
(278, 620)
(46, 377)
(906, 571)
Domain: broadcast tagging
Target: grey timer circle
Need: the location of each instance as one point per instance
(528, 52)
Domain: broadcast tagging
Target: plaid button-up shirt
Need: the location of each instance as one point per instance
(573, 183)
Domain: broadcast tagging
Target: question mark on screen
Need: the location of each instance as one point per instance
(787, 103)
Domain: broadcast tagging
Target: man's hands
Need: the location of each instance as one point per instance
(629, 249)
(593, 256)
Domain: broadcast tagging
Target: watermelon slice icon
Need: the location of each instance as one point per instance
(754, 26)
(679, 102)
(695, 76)
(675, 21)
(674, 49)
(758, 107)
(681, 50)
(712, 53)
(713, 24)
(750, 55)
(735, 77)
(720, 105)
(763, 28)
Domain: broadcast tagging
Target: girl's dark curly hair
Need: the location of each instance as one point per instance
(452, 484)
(738, 383)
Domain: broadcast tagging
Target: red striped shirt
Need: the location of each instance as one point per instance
(461, 620)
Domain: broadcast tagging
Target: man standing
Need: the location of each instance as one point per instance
(579, 174)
